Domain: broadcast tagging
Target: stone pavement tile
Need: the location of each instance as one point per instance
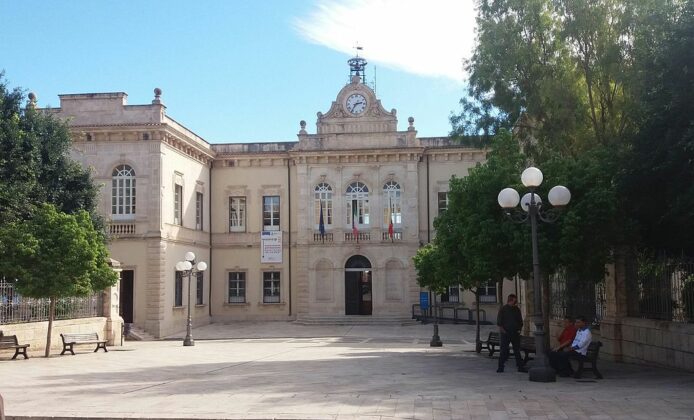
(438, 414)
(499, 415)
(387, 407)
(404, 408)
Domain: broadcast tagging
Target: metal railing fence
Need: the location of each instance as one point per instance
(15, 308)
(577, 297)
(660, 288)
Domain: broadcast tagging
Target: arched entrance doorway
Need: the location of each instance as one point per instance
(358, 296)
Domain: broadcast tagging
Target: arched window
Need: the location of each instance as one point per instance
(323, 198)
(392, 204)
(357, 198)
(123, 193)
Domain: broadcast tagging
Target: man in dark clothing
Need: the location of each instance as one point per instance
(510, 322)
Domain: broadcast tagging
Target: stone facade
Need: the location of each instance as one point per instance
(216, 200)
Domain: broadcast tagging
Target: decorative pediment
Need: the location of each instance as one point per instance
(357, 110)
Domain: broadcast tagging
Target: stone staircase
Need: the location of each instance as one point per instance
(138, 334)
(353, 320)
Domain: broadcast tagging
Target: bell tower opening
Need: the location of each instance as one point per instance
(357, 67)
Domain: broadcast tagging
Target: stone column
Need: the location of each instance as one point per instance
(111, 308)
(615, 307)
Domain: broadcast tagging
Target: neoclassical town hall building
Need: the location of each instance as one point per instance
(319, 229)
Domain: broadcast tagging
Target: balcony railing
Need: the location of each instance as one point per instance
(326, 237)
(397, 236)
(359, 237)
(122, 229)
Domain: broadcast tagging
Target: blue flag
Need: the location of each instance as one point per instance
(321, 224)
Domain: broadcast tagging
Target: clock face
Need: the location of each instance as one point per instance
(356, 103)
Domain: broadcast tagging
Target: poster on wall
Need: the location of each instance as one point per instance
(271, 247)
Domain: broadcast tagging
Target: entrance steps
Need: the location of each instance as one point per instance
(353, 320)
(138, 334)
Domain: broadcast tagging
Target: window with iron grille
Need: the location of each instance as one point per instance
(237, 287)
(200, 288)
(271, 287)
(178, 289)
(451, 295)
(488, 292)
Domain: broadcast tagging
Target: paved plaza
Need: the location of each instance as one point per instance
(284, 370)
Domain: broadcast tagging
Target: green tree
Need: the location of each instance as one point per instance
(35, 166)
(473, 238)
(659, 168)
(55, 255)
(430, 265)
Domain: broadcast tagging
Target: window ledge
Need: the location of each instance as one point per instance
(200, 305)
(179, 308)
(272, 303)
(236, 304)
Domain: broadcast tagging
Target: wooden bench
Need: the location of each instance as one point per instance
(591, 357)
(10, 342)
(527, 345)
(69, 340)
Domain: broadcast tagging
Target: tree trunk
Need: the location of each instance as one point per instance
(478, 342)
(545, 307)
(51, 316)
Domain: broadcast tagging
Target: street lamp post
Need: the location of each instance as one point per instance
(531, 204)
(188, 267)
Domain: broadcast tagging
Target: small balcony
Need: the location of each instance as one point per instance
(359, 237)
(385, 236)
(326, 237)
(122, 229)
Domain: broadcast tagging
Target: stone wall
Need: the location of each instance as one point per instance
(653, 342)
(34, 334)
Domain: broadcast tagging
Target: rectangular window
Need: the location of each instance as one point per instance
(178, 289)
(271, 287)
(454, 294)
(237, 214)
(200, 288)
(237, 287)
(178, 205)
(271, 212)
(198, 210)
(361, 212)
(443, 202)
(488, 293)
(327, 206)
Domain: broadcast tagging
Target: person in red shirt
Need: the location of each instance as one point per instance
(567, 335)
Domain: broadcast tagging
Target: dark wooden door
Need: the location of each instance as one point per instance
(127, 278)
(352, 293)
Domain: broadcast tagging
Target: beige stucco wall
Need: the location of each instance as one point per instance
(34, 334)
(252, 177)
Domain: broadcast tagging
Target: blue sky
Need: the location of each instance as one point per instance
(236, 71)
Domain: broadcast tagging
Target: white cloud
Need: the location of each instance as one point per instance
(425, 37)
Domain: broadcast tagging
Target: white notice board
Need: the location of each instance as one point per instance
(271, 247)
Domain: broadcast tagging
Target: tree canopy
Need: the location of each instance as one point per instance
(599, 96)
(35, 166)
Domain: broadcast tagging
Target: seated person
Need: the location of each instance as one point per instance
(567, 335)
(561, 360)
